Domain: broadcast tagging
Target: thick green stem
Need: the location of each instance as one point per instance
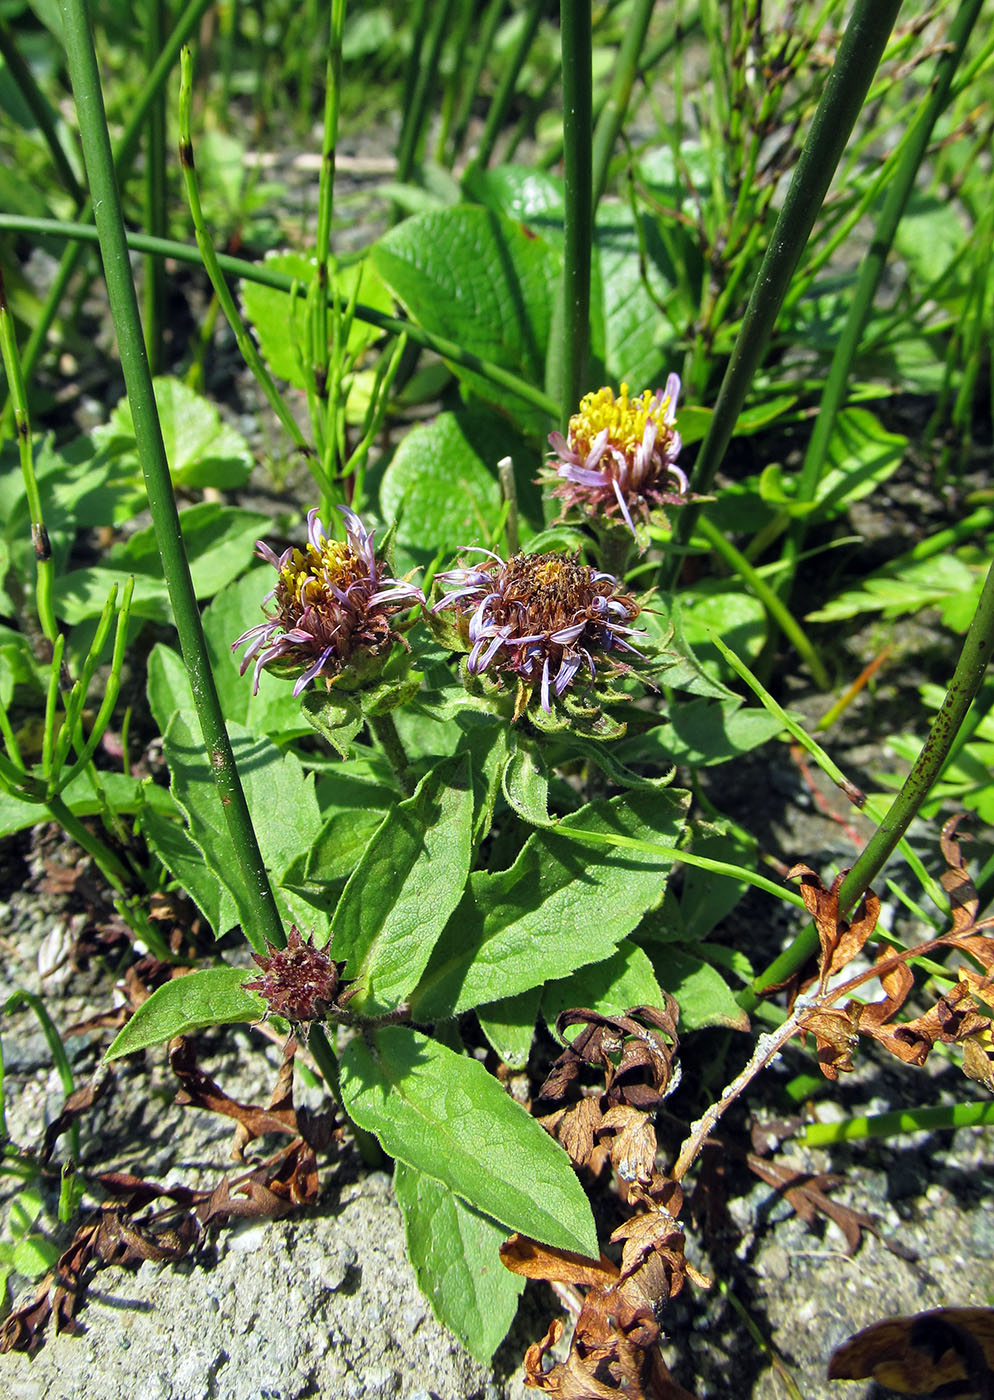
(568, 352)
(962, 690)
(162, 503)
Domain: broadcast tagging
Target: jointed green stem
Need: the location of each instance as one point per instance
(270, 277)
(124, 310)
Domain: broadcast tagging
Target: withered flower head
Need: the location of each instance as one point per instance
(301, 982)
(542, 618)
(333, 605)
(620, 454)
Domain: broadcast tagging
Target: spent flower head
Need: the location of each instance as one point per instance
(300, 982)
(333, 606)
(619, 455)
(545, 619)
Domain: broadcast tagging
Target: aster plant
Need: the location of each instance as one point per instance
(545, 623)
(617, 460)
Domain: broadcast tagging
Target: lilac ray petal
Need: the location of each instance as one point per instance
(583, 476)
(567, 670)
(567, 634)
(546, 703)
(312, 671)
(624, 508)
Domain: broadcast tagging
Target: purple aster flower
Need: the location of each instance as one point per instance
(620, 454)
(332, 611)
(545, 618)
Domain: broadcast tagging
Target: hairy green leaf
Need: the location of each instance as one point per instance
(214, 996)
(409, 880)
(559, 906)
(454, 1250)
(445, 1115)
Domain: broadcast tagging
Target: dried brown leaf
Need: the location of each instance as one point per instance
(956, 879)
(633, 1144)
(947, 1351)
(540, 1261)
(202, 1092)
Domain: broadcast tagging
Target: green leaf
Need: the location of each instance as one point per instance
(891, 591)
(35, 1255)
(278, 319)
(185, 862)
(443, 1114)
(334, 714)
(525, 782)
(703, 995)
(214, 996)
(409, 880)
(705, 900)
(700, 733)
(480, 279)
(677, 663)
(201, 449)
(441, 486)
(280, 797)
(509, 1025)
(126, 795)
(738, 618)
(218, 540)
(862, 454)
(624, 980)
(559, 906)
(454, 1251)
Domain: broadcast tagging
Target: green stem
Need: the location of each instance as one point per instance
(124, 155)
(425, 82)
(871, 267)
(162, 503)
(482, 49)
(914, 1120)
(327, 1062)
(41, 111)
(103, 858)
(963, 687)
(212, 263)
(568, 353)
(22, 424)
(269, 277)
(777, 610)
(613, 112)
(386, 733)
(497, 113)
(156, 26)
(856, 62)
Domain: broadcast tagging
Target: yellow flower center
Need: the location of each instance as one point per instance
(625, 419)
(310, 570)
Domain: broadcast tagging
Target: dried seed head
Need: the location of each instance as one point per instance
(301, 982)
